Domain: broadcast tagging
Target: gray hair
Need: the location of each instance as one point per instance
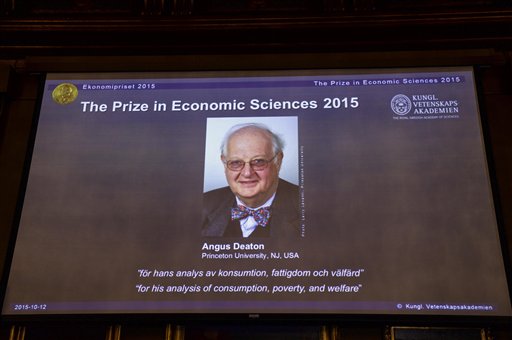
(277, 142)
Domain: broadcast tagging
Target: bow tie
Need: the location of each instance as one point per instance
(261, 216)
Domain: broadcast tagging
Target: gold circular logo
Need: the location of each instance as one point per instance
(65, 93)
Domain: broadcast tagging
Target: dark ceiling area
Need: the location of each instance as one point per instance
(87, 27)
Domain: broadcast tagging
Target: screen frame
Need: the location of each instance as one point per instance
(343, 318)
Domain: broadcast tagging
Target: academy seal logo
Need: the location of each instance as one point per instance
(65, 93)
(401, 104)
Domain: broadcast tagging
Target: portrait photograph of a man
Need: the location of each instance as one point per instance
(257, 195)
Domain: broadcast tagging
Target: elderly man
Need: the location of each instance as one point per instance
(257, 202)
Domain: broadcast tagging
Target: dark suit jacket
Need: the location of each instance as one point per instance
(284, 220)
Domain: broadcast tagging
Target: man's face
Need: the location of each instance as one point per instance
(253, 187)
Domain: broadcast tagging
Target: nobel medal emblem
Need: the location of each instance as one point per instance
(65, 93)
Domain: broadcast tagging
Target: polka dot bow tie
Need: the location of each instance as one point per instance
(261, 216)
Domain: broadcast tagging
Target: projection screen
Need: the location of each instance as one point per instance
(376, 197)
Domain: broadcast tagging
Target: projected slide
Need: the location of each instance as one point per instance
(304, 192)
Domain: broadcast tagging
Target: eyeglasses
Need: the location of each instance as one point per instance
(255, 164)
